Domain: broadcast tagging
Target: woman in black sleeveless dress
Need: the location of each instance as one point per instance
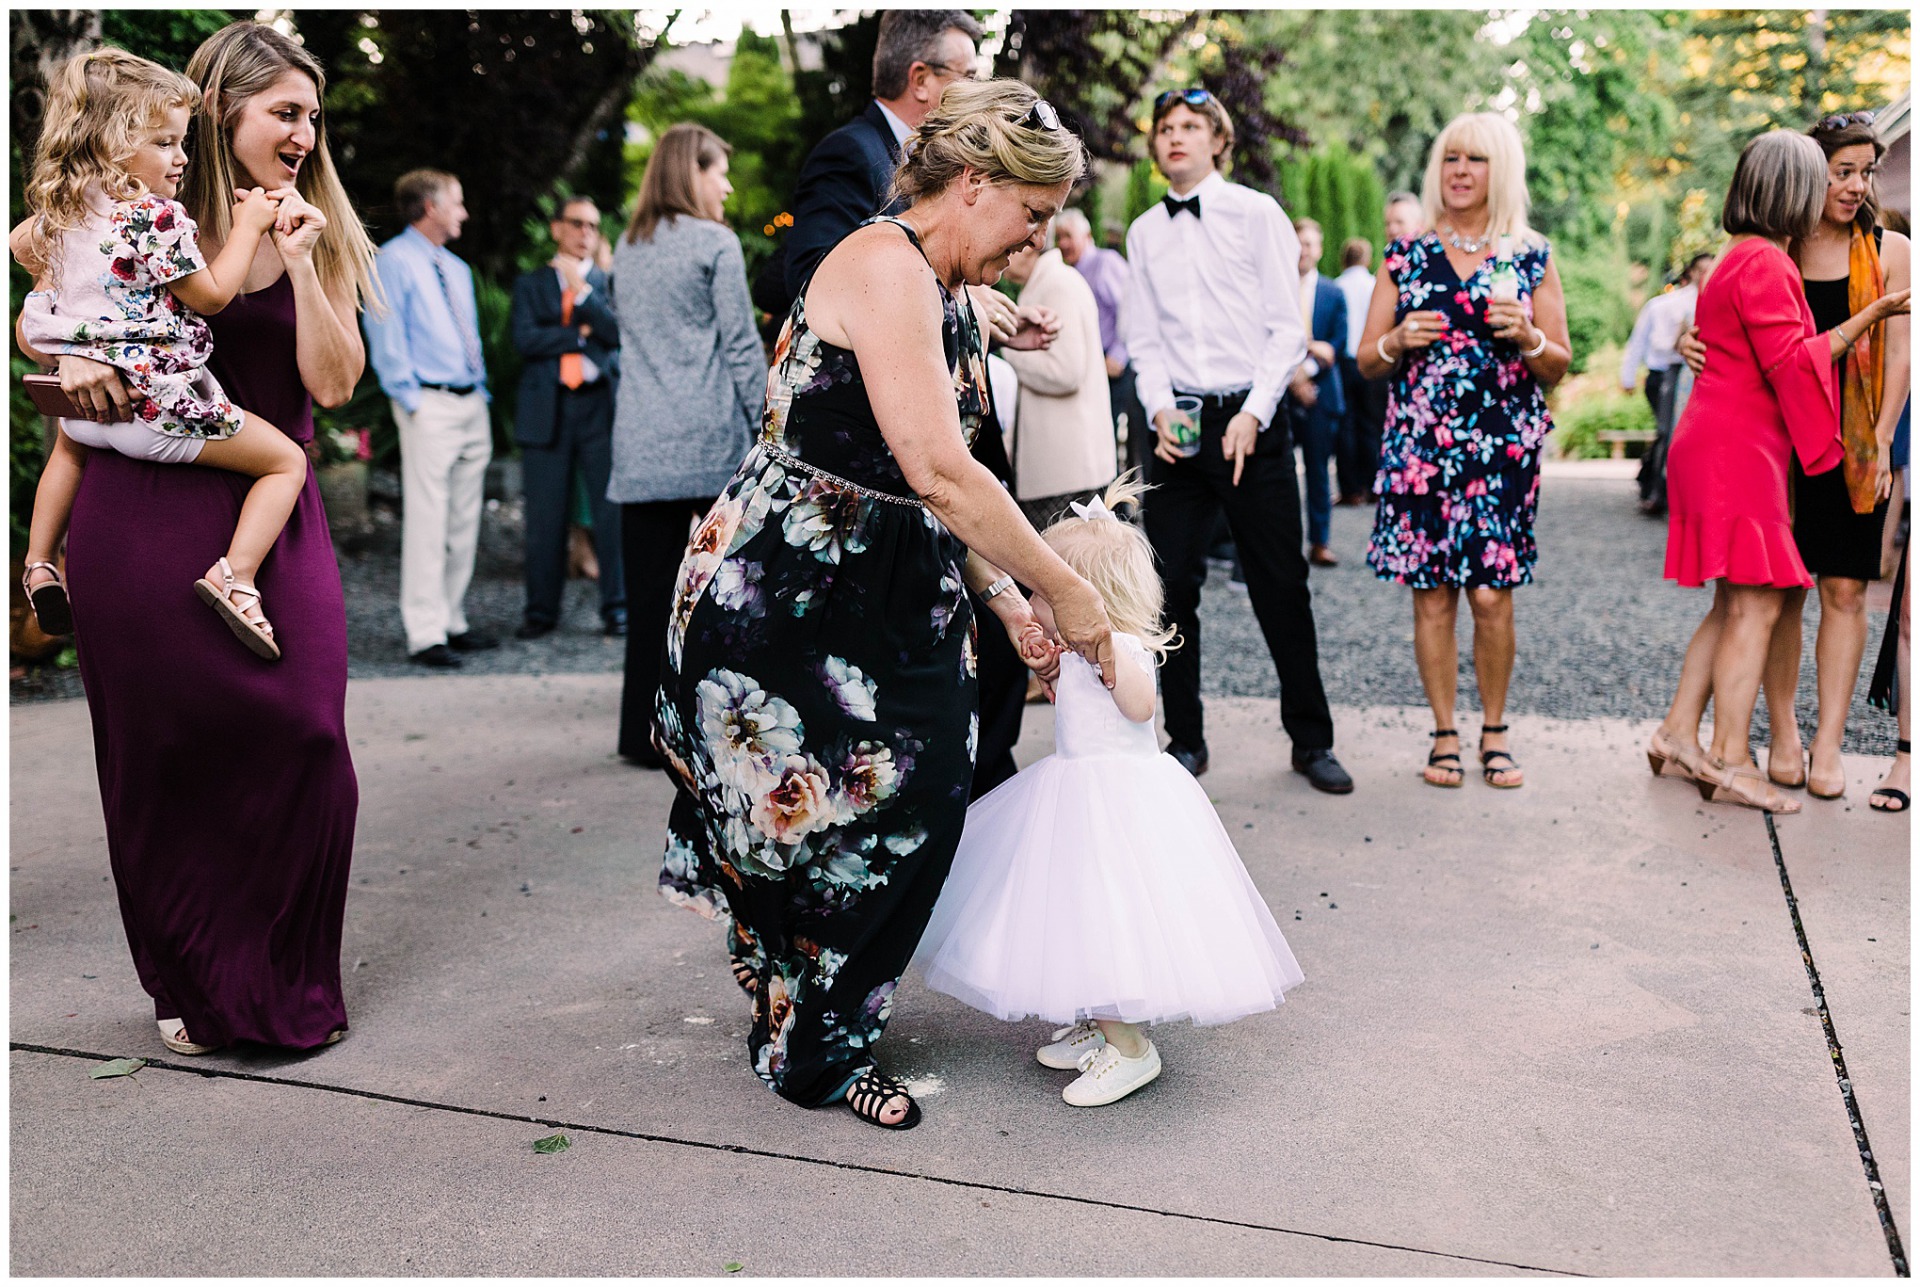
(1839, 516)
(817, 704)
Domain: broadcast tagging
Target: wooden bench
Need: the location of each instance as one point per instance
(1617, 440)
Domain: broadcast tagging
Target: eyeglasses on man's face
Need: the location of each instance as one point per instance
(966, 72)
(584, 225)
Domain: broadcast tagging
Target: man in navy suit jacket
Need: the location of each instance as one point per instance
(846, 176)
(564, 327)
(1315, 399)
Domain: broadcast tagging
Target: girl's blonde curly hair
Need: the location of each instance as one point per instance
(1116, 557)
(101, 106)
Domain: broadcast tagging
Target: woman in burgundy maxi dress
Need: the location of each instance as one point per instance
(228, 789)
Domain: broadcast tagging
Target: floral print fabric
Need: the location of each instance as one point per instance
(109, 302)
(1459, 477)
(818, 712)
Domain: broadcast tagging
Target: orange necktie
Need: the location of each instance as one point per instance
(573, 372)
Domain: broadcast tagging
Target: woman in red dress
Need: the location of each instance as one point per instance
(1767, 393)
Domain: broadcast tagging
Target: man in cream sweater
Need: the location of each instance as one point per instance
(1063, 441)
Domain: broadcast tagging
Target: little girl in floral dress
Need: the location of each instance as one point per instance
(1097, 888)
(120, 279)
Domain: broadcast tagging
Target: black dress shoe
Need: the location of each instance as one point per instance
(534, 630)
(440, 657)
(614, 624)
(1323, 771)
(472, 641)
(1192, 759)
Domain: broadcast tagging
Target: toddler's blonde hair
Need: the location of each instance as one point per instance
(100, 107)
(1116, 557)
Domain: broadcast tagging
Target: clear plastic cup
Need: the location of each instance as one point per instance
(1186, 425)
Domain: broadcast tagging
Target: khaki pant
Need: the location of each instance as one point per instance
(444, 450)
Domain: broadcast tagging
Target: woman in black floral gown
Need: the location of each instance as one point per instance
(818, 701)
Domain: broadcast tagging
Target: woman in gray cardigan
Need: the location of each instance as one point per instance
(691, 389)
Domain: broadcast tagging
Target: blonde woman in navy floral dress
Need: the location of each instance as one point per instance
(817, 705)
(1460, 463)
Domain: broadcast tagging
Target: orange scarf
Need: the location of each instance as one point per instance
(1865, 376)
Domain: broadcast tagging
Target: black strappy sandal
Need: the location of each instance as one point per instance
(1435, 760)
(1487, 766)
(1896, 800)
(870, 1094)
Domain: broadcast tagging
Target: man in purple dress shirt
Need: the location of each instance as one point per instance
(1106, 271)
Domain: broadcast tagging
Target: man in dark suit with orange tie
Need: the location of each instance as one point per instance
(564, 327)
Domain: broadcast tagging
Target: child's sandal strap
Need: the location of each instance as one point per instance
(1493, 728)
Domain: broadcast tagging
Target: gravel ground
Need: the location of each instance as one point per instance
(1600, 633)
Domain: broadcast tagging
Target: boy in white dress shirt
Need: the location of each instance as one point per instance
(1213, 310)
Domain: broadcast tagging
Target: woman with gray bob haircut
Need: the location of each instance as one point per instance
(818, 705)
(1768, 392)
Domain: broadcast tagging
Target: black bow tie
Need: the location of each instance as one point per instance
(1191, 205)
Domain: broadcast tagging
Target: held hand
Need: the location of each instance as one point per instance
(1304, 390)
(1080, 619)
(96, 388)
(1165, 445)
(254, 211)
(1115, 369)
(1894, 305)
(1237, 443)
(1321, 352)
(1421, 329)
(997, 314)
(1036, 328)
(306, 224)
(1692, 349)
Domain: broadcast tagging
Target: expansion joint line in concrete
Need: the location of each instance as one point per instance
(647, 1137)
(1874, 1186)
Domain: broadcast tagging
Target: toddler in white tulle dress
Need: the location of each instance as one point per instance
(1097, 888)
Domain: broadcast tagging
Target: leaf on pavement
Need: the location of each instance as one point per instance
(116, 1068)
(552, 1144)
(734, 1266)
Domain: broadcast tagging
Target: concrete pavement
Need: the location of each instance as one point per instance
(1566, 1029)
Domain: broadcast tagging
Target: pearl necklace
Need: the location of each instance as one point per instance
(1469, 245)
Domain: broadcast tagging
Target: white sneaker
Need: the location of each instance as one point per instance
(1069, 1044)
(1107, 1075)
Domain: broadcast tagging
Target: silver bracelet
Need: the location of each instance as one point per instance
(1537, 349)
(1003, 584)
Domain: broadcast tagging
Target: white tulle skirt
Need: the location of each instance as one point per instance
(1104, 887)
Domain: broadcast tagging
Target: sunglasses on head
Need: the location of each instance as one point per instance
(1040, 116)
(1840, 120)
(1191, 97)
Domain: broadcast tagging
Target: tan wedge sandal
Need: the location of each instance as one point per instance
(1670, 758)
(1721, 783)
(255, 632)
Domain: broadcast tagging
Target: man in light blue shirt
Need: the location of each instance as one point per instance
(426, 352)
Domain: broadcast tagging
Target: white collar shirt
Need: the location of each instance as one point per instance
(901, 130)
(1213, 305)
(1356, 283)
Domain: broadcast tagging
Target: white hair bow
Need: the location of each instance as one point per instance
(1093, 509)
